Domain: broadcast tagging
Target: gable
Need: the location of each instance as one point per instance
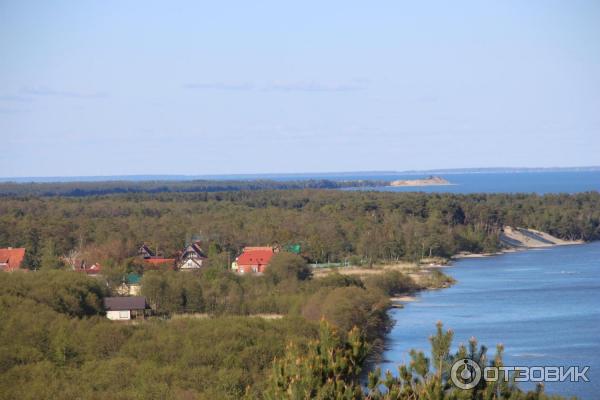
(145, 251)
(191, 263)
(193, 251)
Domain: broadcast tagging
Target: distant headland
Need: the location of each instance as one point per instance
(429, 181)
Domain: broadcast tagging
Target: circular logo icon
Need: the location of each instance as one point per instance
(465, 373)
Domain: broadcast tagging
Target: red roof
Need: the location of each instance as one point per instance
(157, 264)
(12, 258)
(93, 269)
(255, 256)
(160, 260)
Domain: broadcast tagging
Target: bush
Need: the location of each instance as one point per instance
(288, 266)
(65, 292)
(349, 307)
(391, 283)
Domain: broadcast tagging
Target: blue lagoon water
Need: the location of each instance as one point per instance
(542, 305)
(544, 181)
(501, 182)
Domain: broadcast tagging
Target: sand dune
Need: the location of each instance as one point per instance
(531, 238)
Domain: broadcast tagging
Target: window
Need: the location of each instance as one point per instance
(123, 314)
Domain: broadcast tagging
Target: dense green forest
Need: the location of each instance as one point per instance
(330, 225)
(55, 343)
(192, 186)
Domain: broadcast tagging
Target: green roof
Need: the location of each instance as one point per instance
(293, 248)
(133, 278)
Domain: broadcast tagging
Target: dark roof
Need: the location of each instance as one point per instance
(125, 303)
(144, 249)
(194, 248)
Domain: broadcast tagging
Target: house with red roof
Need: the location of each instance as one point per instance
(253, 260)
(11, 258)
(159, 263)
(94, 269)
(153, 260)
(191, 258)
(82, 266)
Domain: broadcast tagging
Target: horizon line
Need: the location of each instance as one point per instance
(257, 175)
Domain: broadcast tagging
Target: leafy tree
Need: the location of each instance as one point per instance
(285, 266)
(49, 258)
(154, 287)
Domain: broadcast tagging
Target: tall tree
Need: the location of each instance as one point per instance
(49, 258)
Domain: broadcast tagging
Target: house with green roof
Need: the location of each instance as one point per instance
(131, 286)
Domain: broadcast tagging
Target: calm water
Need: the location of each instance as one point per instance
(543, 305)
(481, 182)
(503, 182)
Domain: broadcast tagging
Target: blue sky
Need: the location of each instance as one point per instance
(141, 87)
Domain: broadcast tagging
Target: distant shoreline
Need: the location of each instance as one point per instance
(289, 175)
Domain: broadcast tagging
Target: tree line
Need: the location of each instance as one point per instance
(82, 189)
(330, 225)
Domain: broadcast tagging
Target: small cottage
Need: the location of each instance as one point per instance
(134, 284)
(253, 259)
(126, 308)
(131, 286)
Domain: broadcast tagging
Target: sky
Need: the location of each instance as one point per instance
(229, 87)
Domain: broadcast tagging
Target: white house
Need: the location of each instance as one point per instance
(191, 258)
(125, 308)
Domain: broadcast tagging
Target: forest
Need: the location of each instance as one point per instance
(216, 335)
(361, 228)
(55, 342)
(207, 339)
(79, 189)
